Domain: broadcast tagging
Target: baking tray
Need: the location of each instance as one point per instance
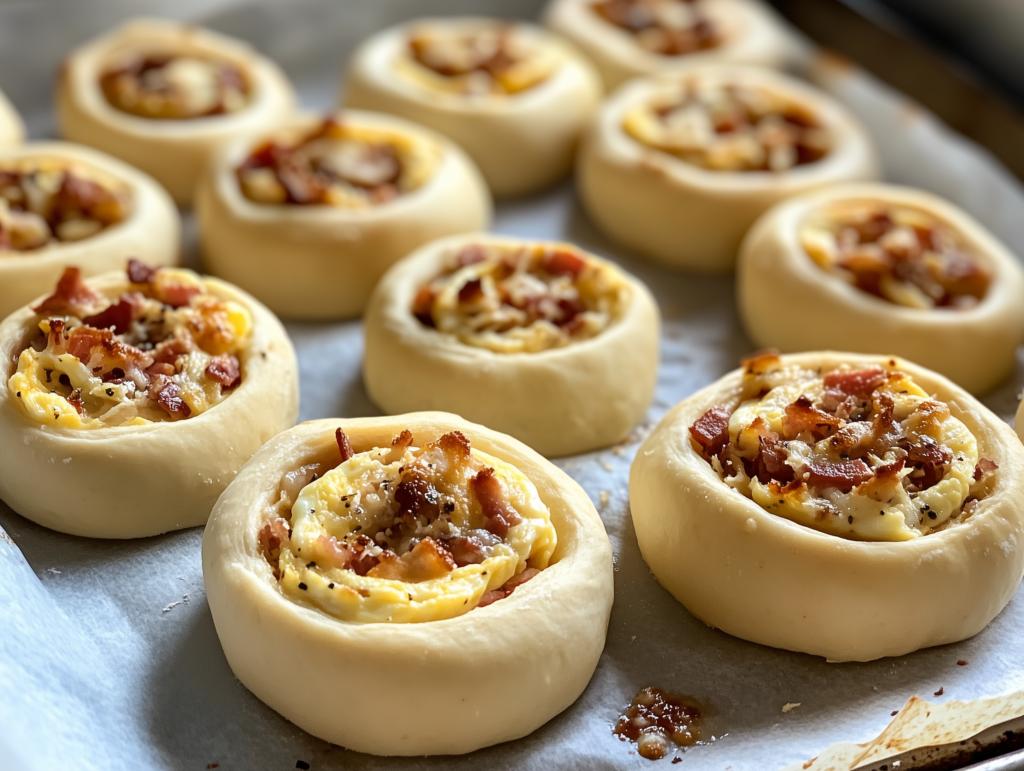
(108, 654)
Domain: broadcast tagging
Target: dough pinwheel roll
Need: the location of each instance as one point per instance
(163, 96)
(134, 399)
(884, 269)
(628, 38)
(418, 555)
(529, 338)
(678, 167)
(309, 218)
(513, 95)
(842, 505)
(12, 129)
(64, 205)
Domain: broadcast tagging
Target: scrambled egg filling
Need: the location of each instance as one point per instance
(862, 454)
(407, 534)
(338, 164)
(729, 127)
(487, 61)
(165, 350)
(897, 253)
(522, 299)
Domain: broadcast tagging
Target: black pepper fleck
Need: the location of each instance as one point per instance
(330, 585)
(302, 586)
(311, 564)
(850, 519)
(881, 513)
(110, 392)
(302, 764)
(932, 515)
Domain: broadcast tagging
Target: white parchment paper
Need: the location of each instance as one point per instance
(108, 654)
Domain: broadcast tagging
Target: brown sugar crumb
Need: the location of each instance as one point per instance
(940, 692)
(656, 720)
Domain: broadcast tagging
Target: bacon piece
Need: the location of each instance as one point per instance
(139, 272)
(487, 598)
(167, 394)
(426, 562)
(161, 368)
(176, 295)
(770, 463)
(71, 298)
(169, 350)
(470, 255)
(844, 475)
(498, 514)
(886, 481)
(398, 447)
(857, 382)
(224, 369)
(344, 446)
(985, 467)
(345, 555)
(465, 550)
(802, 416)
(102, 353)
(56, 337)
(423, 306)
(564, 263)
(471, 291)
(269, 541)
(711, 431)
(455, 445)
(117, 317)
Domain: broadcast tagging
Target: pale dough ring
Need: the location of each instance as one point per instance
(753, 35)
(132, 482)
(766, 579)
(174, 152)
(12, 129)
(561, 401)
(522, 142)
(491, 675)
(684, 216)
(788, 302)
(151, 233)
(322, 261)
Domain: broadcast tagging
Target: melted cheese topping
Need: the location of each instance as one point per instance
(338, 164)
(729, 127)
(485, 61)
(357, 496)
(55, 388)
(522, 299)
(898, 253)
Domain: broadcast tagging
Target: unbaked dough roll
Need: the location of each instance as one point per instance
(163, 96)
(12, 130)
(847, 506)
(134, 399)
(627, 38)
(884, 269)
(530, 338)
(309, 218)
(64, 205)
(480, 628)
(677, 168)
(514, 96)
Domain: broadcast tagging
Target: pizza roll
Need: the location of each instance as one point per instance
(309, 218)
(135, 398)
(529, 338)
(677, 168)
(627, 38)
(884, 269)
(12, 129)
(418, 555)
(837, 504)
(64, 205)
(515, 97)
(163, 96)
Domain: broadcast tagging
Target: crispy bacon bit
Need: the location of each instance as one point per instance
(344, 446)
(426, 561)
(224, 369)
(761, 362)
(75, 400)
(102, 352)
(985, 466)
(117, 317)
(499, 515)
(346, 555)
(564, 263)
(455, 445)
(884, 484)
(770, 463)
(844, 475)
(161, 368)
(269, 541)
(465, 550)
(176, 295)
(140, 273)
(72, 297)
(857, 382)
(503, 591)
(423, 306)
(167, 394)
(398, 447)
(711, 431)
(471, 291)
(169, 351)
(801, 416)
